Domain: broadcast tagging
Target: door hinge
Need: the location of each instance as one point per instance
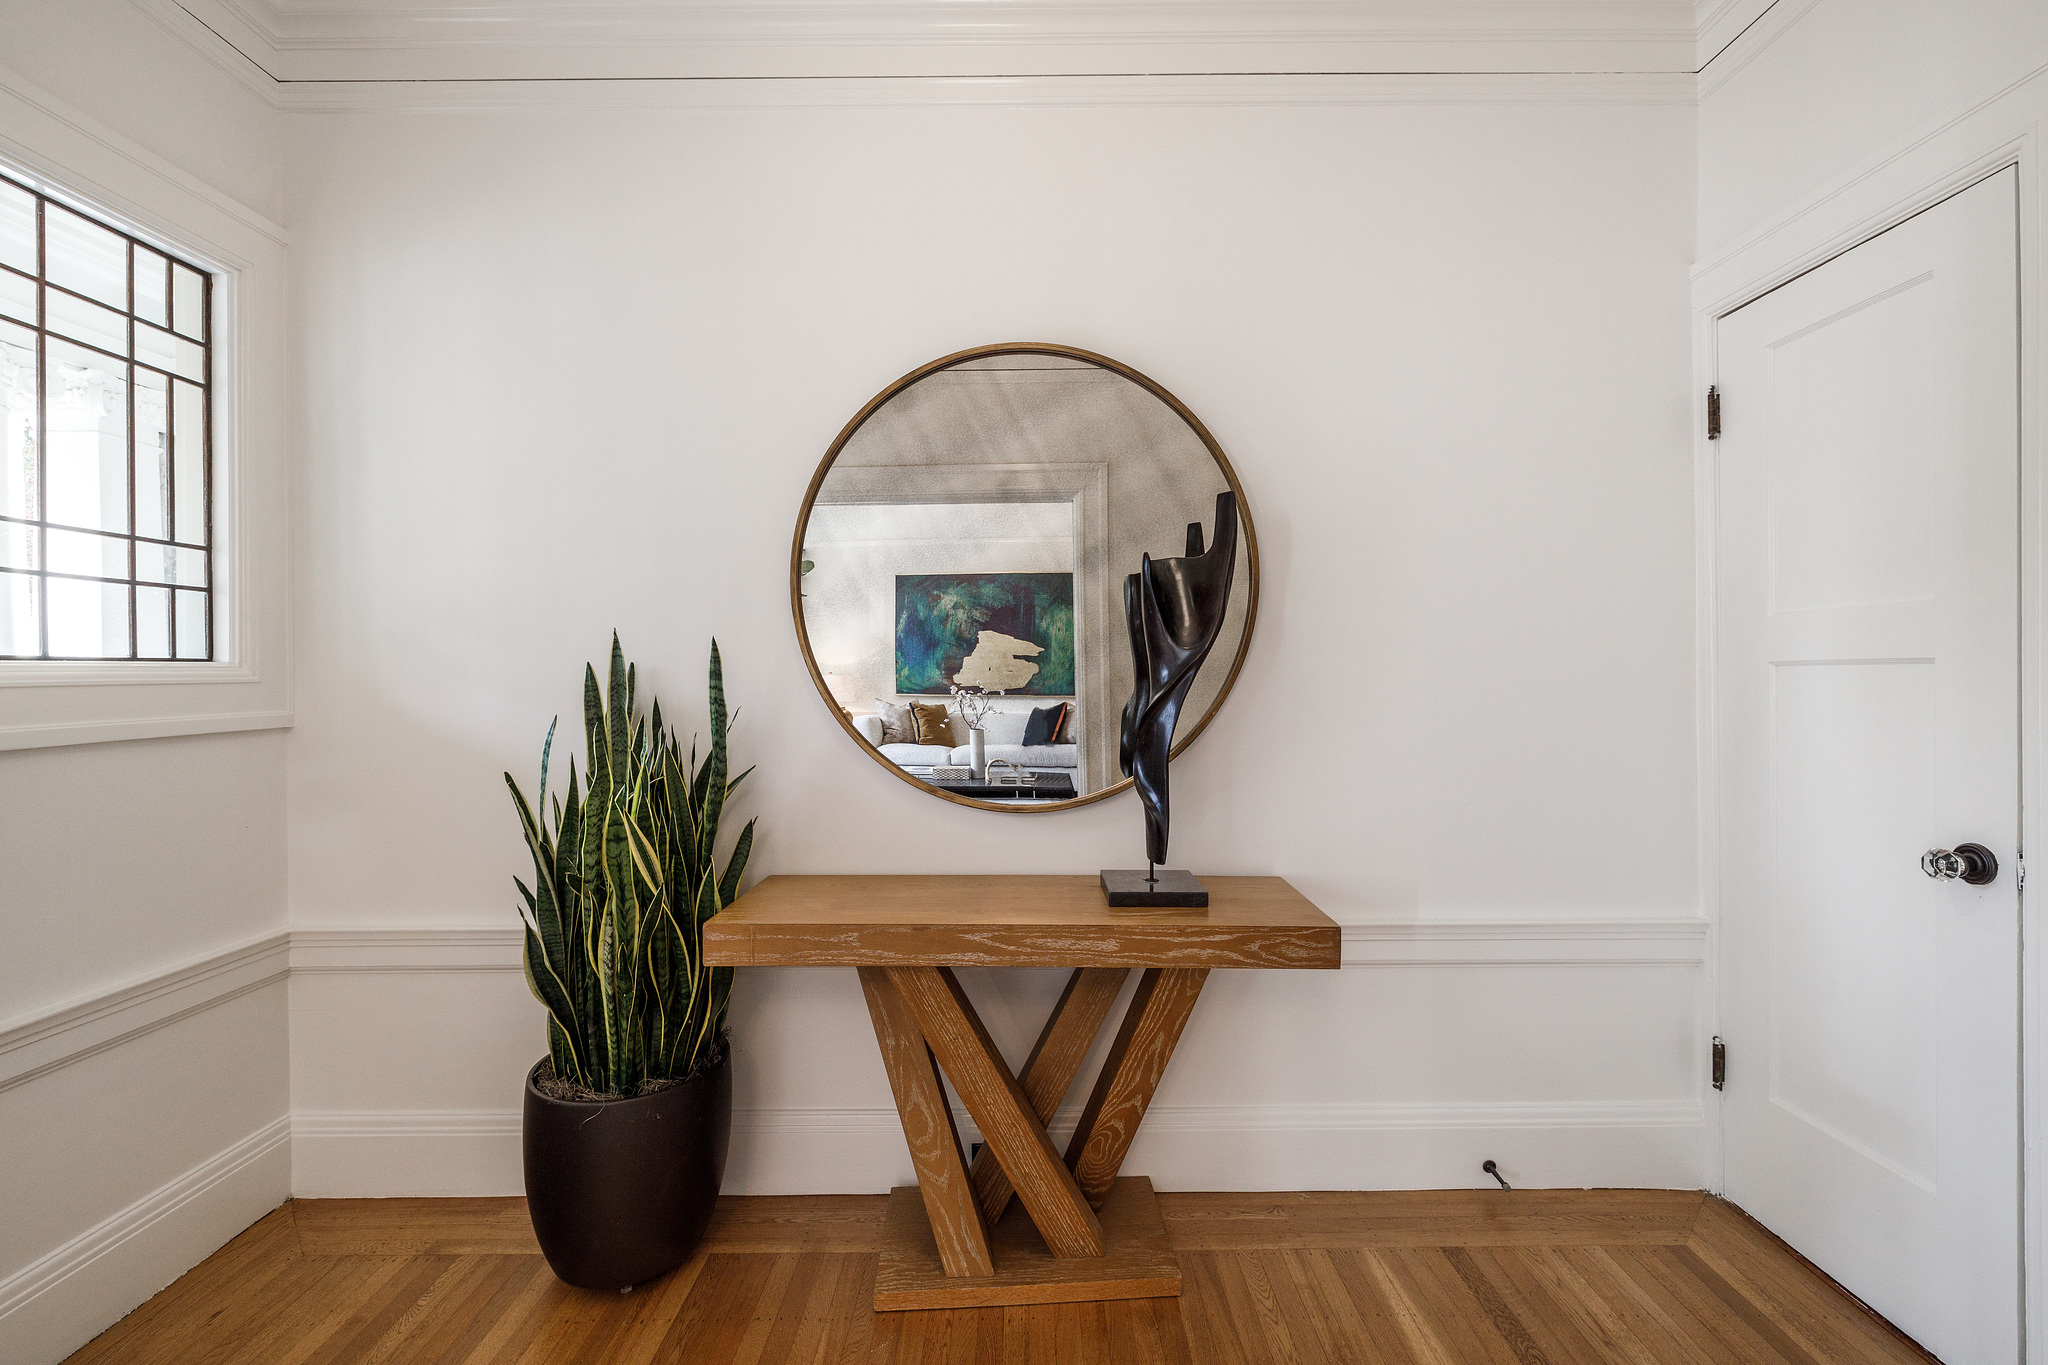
(1713, 413)
(1720, 1063)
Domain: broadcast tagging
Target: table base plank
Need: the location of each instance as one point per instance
(1137, 1060)
(1050, 1070)
(928, 1127)
(1008, 1124)
(1139, 1262)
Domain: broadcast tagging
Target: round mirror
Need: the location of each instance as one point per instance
(959, 565)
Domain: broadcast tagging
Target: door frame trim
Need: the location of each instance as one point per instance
(1939, 161)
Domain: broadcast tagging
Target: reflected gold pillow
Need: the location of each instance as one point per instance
(932, 725)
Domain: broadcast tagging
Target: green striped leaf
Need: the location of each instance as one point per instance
(736, 866)
(597, 749)
(715, 765)
(548, 989)
(615, 717)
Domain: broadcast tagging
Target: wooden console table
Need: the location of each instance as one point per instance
(954, 1240)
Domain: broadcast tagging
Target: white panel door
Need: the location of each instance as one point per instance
(1867, 709)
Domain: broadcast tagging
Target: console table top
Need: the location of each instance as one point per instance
(1020, 921)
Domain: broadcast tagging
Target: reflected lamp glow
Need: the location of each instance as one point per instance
(845, 690)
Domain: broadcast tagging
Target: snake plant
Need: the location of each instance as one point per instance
(623, 882)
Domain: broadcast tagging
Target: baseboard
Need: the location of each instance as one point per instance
(1653, 1144)
(53, 1305)
(1567, 1144)
(1264, 1118)
(380, 1154)
(1393, 1146)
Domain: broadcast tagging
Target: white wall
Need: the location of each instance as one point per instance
(569, 366)
(143, 1088)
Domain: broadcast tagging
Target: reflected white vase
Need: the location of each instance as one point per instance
(977, 754)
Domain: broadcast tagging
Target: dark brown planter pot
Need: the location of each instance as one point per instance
(621, 1190)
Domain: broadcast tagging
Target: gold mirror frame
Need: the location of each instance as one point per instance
(803, 521)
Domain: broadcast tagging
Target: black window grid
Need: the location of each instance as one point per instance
(201, 594)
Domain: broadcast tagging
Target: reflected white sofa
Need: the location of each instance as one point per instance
(1004, 738)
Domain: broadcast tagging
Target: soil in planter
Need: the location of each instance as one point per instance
(557, 1088)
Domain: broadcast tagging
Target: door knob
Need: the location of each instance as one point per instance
(1970, 863)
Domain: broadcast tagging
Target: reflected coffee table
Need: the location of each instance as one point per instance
(1048, 787)
(1022, 1222)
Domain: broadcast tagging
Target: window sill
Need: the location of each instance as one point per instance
(52, 734)
(155, 673)
(46, 704)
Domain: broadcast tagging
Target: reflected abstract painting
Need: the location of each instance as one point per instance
(1004, 632)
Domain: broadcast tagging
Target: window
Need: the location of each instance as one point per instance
(105, 441)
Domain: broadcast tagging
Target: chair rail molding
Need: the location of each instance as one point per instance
(37, 1044)
(1675, 940)
(1643, 940)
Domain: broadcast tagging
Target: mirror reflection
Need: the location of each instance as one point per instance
(962, 563)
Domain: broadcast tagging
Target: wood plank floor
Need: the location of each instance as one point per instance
(1532, 1277)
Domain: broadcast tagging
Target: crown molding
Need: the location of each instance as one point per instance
(1717, 23)
(293, 42)
(1745, 44)
(238, 52)
(997, 92)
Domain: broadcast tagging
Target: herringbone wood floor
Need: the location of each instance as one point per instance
(1440, 1278)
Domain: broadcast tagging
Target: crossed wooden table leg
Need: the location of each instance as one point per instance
(1104, 1235)
(1023, 1223)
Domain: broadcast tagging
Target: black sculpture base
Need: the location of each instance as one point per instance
(1173, 889)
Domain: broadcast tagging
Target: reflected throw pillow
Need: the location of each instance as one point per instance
(932, 725)
(899, 723)
(1045, 724)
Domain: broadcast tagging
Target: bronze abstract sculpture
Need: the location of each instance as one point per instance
(1174, 609)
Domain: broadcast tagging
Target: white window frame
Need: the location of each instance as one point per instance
(247, 683)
